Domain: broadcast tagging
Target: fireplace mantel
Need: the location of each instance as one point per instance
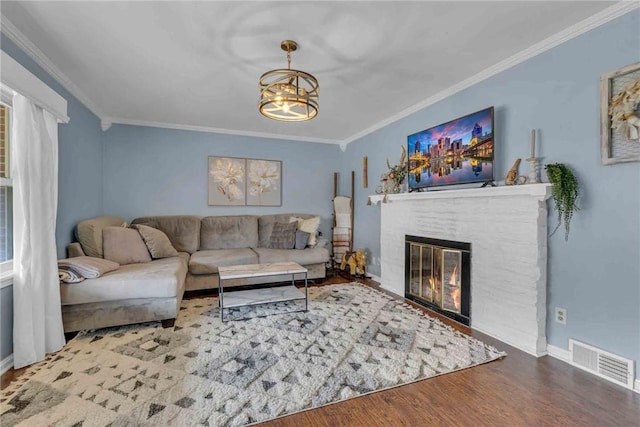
(507, 229)
(542, 191)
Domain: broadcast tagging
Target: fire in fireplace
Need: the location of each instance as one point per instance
(438, 275)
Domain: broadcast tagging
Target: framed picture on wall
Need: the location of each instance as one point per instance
(227, 181)
(620, 115)
(264, 182)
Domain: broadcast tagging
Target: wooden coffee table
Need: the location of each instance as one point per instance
(265, 293)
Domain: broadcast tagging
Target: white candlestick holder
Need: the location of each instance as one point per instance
(534, 171)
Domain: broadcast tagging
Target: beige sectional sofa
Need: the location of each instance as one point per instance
(153, 290)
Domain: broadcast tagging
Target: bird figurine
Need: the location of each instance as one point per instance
(512, 175)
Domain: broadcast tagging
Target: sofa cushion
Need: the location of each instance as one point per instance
(182, 230)
(266, 222)
(157, 242)
(89, 233)
(162, 278)
(74, 249)
(302, 257)
(229, 232)
(124, 246)
(208, 261)
(283, 236)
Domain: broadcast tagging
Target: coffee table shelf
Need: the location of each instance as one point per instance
(262, 295)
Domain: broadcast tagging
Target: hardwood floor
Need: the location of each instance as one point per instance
(9, 376)
(519, 390)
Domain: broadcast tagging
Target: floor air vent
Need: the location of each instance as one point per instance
(602, 363)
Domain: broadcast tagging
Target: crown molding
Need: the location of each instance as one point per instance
(600, 18)
(105, 124)
(565, 35)
(27, 46)
(208, 129)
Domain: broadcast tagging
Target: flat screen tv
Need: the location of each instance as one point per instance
(457, 152)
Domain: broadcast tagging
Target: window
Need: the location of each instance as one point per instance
(6, 191)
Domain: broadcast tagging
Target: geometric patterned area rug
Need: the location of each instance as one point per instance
(268, 363)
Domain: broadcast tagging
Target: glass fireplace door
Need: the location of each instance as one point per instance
(434, 275)
(421, 272)
(451, 268)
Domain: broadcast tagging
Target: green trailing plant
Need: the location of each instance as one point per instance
(564, 189)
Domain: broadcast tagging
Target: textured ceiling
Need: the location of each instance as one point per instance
(197, 64)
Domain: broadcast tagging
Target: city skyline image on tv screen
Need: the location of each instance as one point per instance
(456, 152)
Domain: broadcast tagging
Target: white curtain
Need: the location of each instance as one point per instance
(37, 315)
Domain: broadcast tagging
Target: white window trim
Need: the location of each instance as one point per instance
(6, 96)
(6, 267)
(14, 76)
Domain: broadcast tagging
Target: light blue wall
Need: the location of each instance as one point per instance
(596, 274)
(79, 177)
(151, 171)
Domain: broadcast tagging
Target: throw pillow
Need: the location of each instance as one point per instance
(157, 242)
(302, 238)
(283, 235)
(309, 226)
(124, 246)
(89, 233)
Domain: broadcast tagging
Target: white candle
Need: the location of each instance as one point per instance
(533, 143)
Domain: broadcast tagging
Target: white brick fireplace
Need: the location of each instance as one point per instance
(507, 229)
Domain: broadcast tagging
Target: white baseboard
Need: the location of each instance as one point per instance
(375, 278)
(529, 350)
(558, 353)
(6, 364)
(636, 386)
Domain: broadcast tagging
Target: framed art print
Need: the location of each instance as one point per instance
(227, 181)
(620, 115)
(264, 182)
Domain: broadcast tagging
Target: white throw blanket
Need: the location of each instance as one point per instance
(69, 275)
(87, 267)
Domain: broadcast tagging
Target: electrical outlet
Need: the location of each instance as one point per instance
(561, 315)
